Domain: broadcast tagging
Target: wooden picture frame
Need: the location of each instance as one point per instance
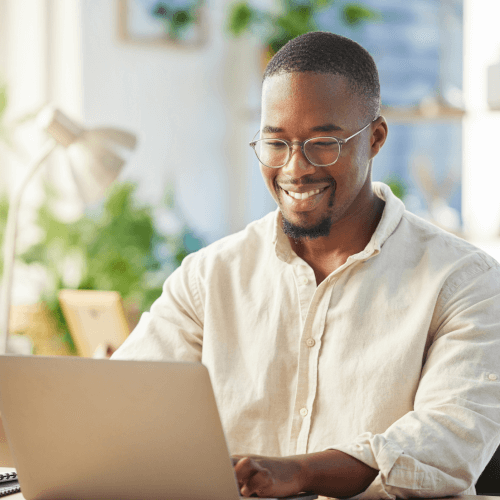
(96, 320)
(137, 24)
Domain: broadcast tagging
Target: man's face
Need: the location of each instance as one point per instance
(296, 107)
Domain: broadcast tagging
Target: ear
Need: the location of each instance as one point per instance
(379, 135)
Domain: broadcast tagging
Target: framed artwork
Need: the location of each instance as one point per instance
(162, 23)
(96, 320)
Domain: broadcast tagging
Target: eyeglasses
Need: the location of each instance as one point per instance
(320, 151)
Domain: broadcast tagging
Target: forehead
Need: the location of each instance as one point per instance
(310, 99)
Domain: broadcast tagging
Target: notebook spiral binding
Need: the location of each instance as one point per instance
(8, 490)
(9, 484)
(9, 476)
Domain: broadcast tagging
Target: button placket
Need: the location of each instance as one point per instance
(303, 280)
(305, 293)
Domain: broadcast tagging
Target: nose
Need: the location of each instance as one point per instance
(298, 165)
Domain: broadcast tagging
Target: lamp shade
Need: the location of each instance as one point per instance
(95, 155)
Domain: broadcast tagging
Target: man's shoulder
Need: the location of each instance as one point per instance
(442, 246)
(256, 238)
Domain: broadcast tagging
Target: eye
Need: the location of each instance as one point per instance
(274, 144)
(324, 143)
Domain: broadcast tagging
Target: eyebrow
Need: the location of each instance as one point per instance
(329, 127)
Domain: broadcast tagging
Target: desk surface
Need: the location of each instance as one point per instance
(19, 496)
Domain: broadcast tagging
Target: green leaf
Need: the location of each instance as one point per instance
(354, 14)
(280, 39)
(322, 4)
(241, 16)
(397, 185)
(36, 253)
(182, 18)
(297, 22)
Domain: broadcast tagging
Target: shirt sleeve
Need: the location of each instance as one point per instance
(442, 446)
(173, 329)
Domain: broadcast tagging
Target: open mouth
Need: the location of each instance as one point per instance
(304, 196)
(305, 202)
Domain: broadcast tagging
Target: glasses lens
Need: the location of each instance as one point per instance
(272, 152)
(322, 150)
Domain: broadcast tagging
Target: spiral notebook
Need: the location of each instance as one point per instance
(9, 484)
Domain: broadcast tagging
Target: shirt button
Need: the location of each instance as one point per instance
(492, 376)
(310, 342)
(303, 280)
(303, 411)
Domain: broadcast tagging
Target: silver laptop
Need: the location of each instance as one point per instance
(92, 429)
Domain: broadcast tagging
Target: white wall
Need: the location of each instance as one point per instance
(185, 105)
(188, 106)
(24, 66)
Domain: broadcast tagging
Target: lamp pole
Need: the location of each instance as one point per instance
(10, 244)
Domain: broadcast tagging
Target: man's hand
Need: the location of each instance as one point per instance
(330, 473)
(267, 477)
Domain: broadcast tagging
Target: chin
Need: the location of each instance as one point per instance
(310, 231)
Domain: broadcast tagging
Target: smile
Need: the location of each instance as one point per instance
(304, 202)
(303, 196)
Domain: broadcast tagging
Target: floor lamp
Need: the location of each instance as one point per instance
(94, 164)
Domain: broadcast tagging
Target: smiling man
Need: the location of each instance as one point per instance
(353, 347)
(323, 185)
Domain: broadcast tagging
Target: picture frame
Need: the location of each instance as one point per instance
(96, 320)
(167, 23)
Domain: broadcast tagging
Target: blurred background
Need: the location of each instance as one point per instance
(185, 77)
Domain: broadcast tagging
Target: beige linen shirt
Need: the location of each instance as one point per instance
(394, 358)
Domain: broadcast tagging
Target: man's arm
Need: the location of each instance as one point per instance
(329, 473)
(173, 329)
(441, 447)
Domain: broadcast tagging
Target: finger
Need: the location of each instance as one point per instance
(261, 483)
(245, 468)
(235, 459)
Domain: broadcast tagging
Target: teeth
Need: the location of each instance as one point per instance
(303, 196)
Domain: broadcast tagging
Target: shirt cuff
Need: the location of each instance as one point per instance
(374, 451)
(400, 476)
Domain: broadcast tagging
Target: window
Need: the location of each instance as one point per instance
(417, 46)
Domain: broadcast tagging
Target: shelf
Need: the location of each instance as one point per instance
(430, 112)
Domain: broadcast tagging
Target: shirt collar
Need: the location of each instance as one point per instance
(391, 216)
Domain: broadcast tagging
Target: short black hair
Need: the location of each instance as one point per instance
(324, 52)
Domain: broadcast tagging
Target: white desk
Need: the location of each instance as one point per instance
(19, 496)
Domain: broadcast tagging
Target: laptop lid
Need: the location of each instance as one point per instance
(91, 429)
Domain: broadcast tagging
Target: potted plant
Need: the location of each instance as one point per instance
(114, 247)
(291, 19)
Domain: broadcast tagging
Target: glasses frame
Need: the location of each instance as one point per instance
(302, 144)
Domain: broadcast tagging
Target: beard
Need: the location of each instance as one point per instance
(295, 232)
(322, 228)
